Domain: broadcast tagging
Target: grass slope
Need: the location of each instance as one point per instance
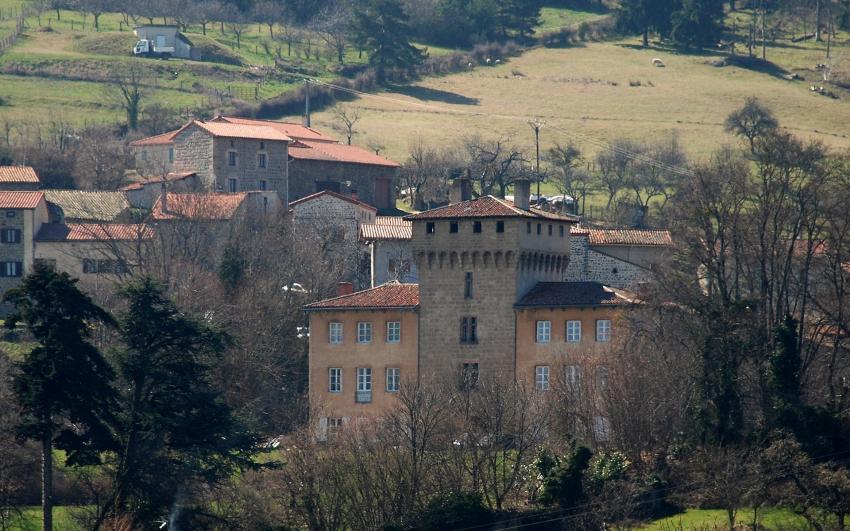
(715, 519)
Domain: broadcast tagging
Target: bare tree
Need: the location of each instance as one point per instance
(751, 121)
(494, 164)
(101, 161)
(348, 117)
(616, 164)
(269, 13)
(333, 25)
(571, 180)
(129, 91)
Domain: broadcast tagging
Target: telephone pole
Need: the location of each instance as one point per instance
(536, 124)
(306, 103)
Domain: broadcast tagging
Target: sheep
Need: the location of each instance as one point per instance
(469, 66)
(498, 61)
(657, 62)
(487, 60)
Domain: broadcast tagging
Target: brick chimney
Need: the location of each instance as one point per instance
(522, 193)
(461, 188)
(344, 288)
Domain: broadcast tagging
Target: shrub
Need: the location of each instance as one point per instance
(455, 510)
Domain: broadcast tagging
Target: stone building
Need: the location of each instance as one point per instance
(314, 161)
(390, 253)
(491, 302)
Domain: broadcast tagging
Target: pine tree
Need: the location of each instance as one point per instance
(698, 22)
(382, 28)
(64, 385)
(175, 430)
(646, 16)
(518, 17)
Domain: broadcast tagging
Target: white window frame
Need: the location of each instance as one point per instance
(603, 330)
(572, 377)
(364, 379)
(335, 377)
(364, 332)
(393, 331)
(335, 333)
(602, 374)
(393, 379)
(541, 377)
(543, 332)
(573, 331)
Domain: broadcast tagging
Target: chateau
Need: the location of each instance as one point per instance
(492, 301)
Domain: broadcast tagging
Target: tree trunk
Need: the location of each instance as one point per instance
(204, 28)
(271, 31)
(47, 482)
(818, 36)
(645, 35)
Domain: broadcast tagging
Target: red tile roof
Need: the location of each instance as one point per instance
(328, 152)
(387, 228)
(630, 237)
(18, 174)
(571, 294)
(332, 194)
(292, 130)
(488, 207)
(210, 207)
(89, 232)
(20, 200)
(391, 295)
(253, 132)
(157, 140)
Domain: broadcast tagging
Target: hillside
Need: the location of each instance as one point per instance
(601, 91)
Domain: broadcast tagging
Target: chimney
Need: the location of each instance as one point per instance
(461, 188)
(522, 193)
(344, 288)
(163, 196)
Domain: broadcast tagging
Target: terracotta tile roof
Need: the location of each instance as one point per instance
(157, 140)
(92, 232)
(387, 228)
(487, 207)
(386, 296)
(18, 174)
(169, 177)
(253, 132)
(20, 200)
(292, 130)
(570, 294)
(629, 237)
(332, 194)
(85, 205)
(208, 207)
(330, 152)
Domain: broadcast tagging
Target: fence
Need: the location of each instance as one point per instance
(10, 39)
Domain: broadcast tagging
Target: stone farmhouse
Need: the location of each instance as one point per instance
(238, 154)
(492, 301)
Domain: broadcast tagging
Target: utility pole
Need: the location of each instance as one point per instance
(306, 102)
(536, 124)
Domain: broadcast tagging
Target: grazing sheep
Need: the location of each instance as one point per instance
(469, 66)
(498, 61)
(658, 62)
(487, 60)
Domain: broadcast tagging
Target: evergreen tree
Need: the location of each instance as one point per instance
(175, 430)
(232, 266)
(382, 28)
(64, 384)
(698, 23)
(518, 17)
(645, 17)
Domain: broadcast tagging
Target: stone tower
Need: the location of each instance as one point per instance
(476, 259)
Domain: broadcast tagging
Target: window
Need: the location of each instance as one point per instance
(364, 384)
(231, 185)
(573, 331)
(231, 158)
(469, 330)
(262, 145)
(469, 375)
(603, 330)
(104, 266)
(430, 228)
(263, 185)
(476, 226)
(393, 331)
(528, 227)
(11, 269)
(573, 377)
(364, 332)
(500, 226)
(541, 377)
(334, 425)
(601, 429)
(334, 380)
(467, 285)
(170, 154)
(335, 333)
(393, 379)
(544, 331)
(550, 229)
(601, 377)
(10, 214)
(261, 160)
(539, 228)
(453, 227)
(10, 236)
(561, 230)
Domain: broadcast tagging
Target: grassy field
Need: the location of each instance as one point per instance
(30, 519)
(601, 91)
(715, 519)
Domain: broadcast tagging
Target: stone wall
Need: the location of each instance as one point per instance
(588, 264)
(365, 179)
(249, 176)
(153, 160)
(382, 252)
(193, 152)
